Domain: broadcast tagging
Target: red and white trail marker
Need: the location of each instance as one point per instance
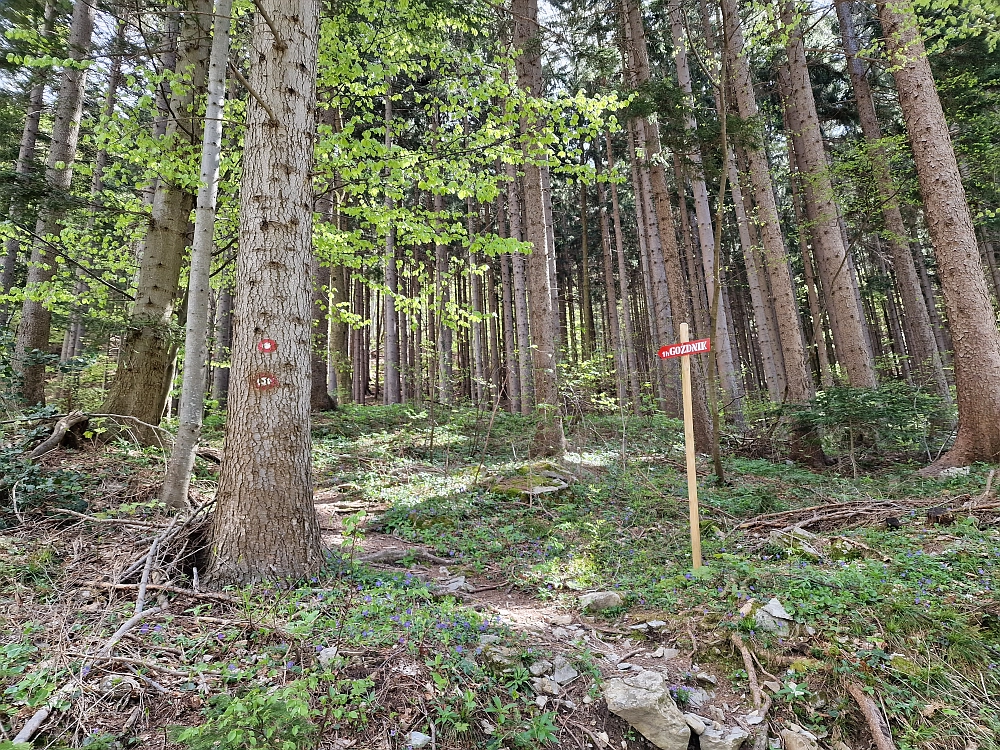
(684, 349)
(267, 346)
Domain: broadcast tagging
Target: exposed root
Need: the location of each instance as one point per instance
(392, 555)
(873, 717)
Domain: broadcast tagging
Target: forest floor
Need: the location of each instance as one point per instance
(449, 611)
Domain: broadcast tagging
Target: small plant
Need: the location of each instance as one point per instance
(275, 720)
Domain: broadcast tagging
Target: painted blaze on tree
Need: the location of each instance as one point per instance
(265, 525)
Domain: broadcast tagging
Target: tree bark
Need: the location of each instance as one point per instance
(36, 319)
(835, 266)
(798, 384)
(319, 393)
(549, 438)
(927, 365)
(971, 317)
(265, 524)
(223, 340)
(149, 344)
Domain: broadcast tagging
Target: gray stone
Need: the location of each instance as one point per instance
(706, 679)
(417, 740)
(562, 634)
(696, 723)
(543, 685)
(118, 686)
(671, 653)
(795, 741)
(643, 700)
(564, 671)
(723, 739)
(657, 624)
(540, 667)
(954, 471)
(486, 639)
(561, 619)
(328, 657)
(773, 618)
(698, 697)
(452, 585)
(716, 713)
(598, 600)
(623, 665)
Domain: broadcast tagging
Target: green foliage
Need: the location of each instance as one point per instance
(275, 719)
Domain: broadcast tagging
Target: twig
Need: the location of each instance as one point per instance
(278, 43)
(761, 701)
(212, 596)
(126, 626)
(246, 84)
(140, 599)
(873, 717)
(395, 554)
(119, 521)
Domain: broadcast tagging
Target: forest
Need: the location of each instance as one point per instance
(445, 374)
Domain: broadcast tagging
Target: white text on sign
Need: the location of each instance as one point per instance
(682, 350)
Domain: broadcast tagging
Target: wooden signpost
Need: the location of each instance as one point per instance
(684, 350)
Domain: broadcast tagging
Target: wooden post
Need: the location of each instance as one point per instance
(692, 476)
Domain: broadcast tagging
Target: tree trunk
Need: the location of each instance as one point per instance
(441, 295)
(340, 280)
(36, 319)
(586, 302)
(223, 340)
(617, 348)
(393, 384)
(632, 367)
(835, 267)
(971, 317)
(176, 482)
(549, 438)
(926, 360)
(798, 384)
(265, 524)
(512, 373)
(319, 394)
(149, 344)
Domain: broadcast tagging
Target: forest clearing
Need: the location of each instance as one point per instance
(433, 374)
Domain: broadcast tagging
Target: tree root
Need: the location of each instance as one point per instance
(63, 426)
(391, 555)
(873, 717)
(761, 701)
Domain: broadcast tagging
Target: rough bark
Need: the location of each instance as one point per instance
(223, 339)
(926, 361)
(319, 394)
(835, 266)
(150, 342)
(971, 317)
(36, 319)
(265, 524)
(520, 289)
(549, 438)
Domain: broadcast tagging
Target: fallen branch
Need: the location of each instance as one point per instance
(112, 521)
(208, 595)
(395, 554)
(873, 717)
(761, 701)
(63, 426)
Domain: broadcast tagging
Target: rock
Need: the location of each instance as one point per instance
(657, 624)
(773, 618)
(417, 740)
(773, 685)
(642, 626)
(799, 540)
(500, 656)
(658, 654)
(540, 667)
(541, 700)
(698, 697)
(487, 639)
(564, 671)
(561, 619)
(643, 700)
(716, 713)
(795, 741)
(696, 723)
(623, 665)
(599, 600)
(451, 586)
(671, 653)
(723, 739)
(587, 700)
(706, 679)
(328, 657)
(954, 471)
(543, 685)
(562, 634)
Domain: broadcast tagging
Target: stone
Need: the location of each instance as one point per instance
(500, 656)
(671, 653)
(954, 471)
(657, 624)
(544, 686)
(723, 739)
(540, 667)
(328, 657)
(717, 713)
(561, 619)
(698, 697)
(564, 671)
(562, 634)
(623, 665)
(487, 639)
(417, 740)
(773, 618)
(706, 679)
(541, 700)
(799, 540)
(795, 741)
(643, 700)
(642, 626)
(658, 654)
(118, 686)
(452, 586)
(598, 600)
(696, 723)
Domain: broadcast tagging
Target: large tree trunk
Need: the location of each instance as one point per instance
(149, 344)
(36, 319)
(798, 384)
(319, 394)
(175, 485)
(835, 267)
(265, 524)
(971, 317)
(393, 384)
(549, 437)
(520, 288)
(223, 339)
(926, 363)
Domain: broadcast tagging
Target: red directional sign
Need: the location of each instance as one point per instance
(689, 347)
